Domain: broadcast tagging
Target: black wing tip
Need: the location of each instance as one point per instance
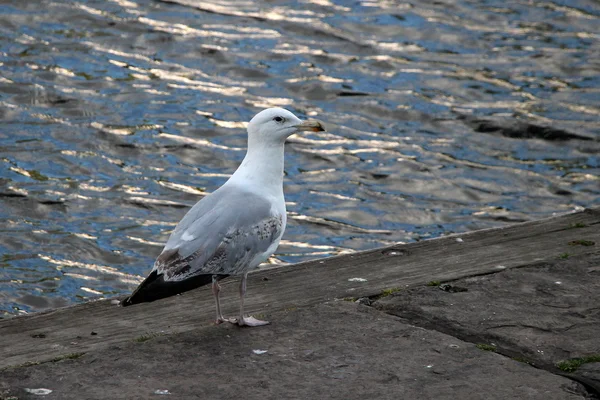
(126, 302)
(154, 287)
(144, 292)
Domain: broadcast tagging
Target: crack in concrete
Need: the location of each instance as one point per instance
(503, 348)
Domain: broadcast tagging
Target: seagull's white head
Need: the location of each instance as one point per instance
(274, 125)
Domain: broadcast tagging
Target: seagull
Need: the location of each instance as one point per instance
(235, 228)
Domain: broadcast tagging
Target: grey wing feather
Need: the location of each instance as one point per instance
(222, 234)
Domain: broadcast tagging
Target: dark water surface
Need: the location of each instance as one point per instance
(446, 116)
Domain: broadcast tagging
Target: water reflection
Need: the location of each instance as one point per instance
(442, 117)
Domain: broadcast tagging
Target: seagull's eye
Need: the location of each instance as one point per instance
(278, 119)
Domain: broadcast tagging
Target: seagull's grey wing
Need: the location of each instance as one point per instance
(225, 233)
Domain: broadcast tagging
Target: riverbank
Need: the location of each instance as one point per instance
(500, 313)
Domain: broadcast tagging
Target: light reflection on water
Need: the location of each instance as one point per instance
(441, 118)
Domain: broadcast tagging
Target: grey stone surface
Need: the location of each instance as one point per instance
(543, 313)
(338, 350)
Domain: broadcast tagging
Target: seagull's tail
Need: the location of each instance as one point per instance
(155, 287)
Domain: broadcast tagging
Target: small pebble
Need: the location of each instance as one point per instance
(39, 392)
(259, 351)
(357, 280)
(364, 301)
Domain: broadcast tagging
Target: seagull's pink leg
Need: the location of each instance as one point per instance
(216, 289)
(247, 321)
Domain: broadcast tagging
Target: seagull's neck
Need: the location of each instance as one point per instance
(261, 169)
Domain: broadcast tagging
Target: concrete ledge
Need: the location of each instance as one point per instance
(328, 351)
(348, 349)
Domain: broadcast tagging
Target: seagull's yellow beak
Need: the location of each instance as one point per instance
(310, 125)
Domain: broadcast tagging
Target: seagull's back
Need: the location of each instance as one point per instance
(228, 232)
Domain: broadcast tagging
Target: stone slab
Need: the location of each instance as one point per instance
(338, 350)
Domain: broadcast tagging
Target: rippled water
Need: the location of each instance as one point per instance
(443, 117)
